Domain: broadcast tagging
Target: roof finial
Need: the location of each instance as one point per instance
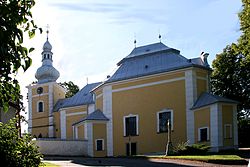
(87, 80)
(135, 40)
(47, 32)
(159, 35)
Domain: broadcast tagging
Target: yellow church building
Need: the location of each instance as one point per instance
(128, 113)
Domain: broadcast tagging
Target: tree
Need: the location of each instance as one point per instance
(71, 88)
(16, 151)
(16, 21)
(231, 68)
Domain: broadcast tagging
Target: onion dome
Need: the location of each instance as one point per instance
(47, 73)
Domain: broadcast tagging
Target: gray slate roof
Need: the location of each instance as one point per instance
(80, 98)
(152, 59)
(97, 115)
(206, 99)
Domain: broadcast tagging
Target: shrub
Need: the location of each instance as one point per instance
(195, 149)
(15, 151)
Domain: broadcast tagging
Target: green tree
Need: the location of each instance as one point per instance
(16, 151)
(71, 88)
(231, 68)
(16, 21)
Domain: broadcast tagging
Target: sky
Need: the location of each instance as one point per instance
(89, 37)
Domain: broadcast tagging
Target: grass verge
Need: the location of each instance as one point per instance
(218, 159)
(47, 164)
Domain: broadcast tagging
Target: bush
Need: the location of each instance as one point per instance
(195, 149)
(15, 151)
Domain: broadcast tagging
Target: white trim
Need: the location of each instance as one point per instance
(107, 110)
(51, 104)
(63, 124)
(76, 132)
(235, 126)
(172, 118)
(230, 131)
(100, 95)
(191, 96)
(90, 139)
(39, 95)
(137, 123)
(37, 106)
(202, 78)
(74, 107)
(102, 144)
(40, 85)
(76, 113)
(30, 110)
(146, 77)
(85, 131)
(199, 132)
(216, 138)
(149, 84)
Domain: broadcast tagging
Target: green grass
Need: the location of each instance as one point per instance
(219, 159)
(47, 164)
(206, 157)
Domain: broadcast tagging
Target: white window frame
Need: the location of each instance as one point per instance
(137, 123)
(102, 144)
(230, 132)
(158, 119)
(199, 133)
(37, 106)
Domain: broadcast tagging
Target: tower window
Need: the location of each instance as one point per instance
(40, 106)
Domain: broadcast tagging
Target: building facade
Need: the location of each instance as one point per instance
(128, 113)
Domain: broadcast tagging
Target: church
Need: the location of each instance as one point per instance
(127, 114)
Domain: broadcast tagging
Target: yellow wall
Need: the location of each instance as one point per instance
(57, 124)
(45, 89)
(40, 120)
(43, 130)
(70, 119)
(99, 132)
(201, 86)
(58, 94)
(99, 103)
(227, 118)
(146, 102)
(202, 119)
(80, 130)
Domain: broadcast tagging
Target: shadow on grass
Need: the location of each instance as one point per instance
(126, 162)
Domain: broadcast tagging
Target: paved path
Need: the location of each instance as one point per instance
(127, 162)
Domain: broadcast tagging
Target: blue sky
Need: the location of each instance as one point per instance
(90, 36)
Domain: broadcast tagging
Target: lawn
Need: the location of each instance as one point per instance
(47, 164)
(221, 159)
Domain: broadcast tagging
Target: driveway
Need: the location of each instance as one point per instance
(126, 162)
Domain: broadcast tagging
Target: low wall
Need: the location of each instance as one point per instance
(62, 147)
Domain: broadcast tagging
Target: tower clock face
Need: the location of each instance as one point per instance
(39, 90)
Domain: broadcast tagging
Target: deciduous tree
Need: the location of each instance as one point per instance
(15, 21)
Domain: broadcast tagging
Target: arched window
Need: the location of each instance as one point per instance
(40, 107)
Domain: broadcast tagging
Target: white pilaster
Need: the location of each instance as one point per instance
(85, 131)
(30, 110)
(191, 96)
(216, 127)
(89, 126)
(63, 124)
(107, 110)
(51, 118)
(235, 126)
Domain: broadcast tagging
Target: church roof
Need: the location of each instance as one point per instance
(152, 59)
(97, 115)
(84, 96)
(206, 99)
